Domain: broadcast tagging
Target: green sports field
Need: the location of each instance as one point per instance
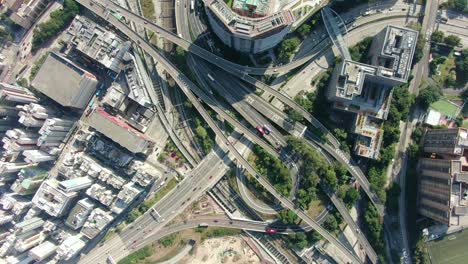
(452, 249)
(445, 107)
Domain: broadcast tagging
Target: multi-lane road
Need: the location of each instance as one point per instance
(187, 88)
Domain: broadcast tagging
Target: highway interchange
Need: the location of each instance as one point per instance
(216, 164)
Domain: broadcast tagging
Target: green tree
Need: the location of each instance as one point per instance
(330, 223)
(340, 134)
(294, 115)
(201, 132)
(459, 5)
(452, 40)
(438, 36)
(287, 48)
(304, 30)
(59, 19)
(429, 95)
(287, 216)
(351, 196)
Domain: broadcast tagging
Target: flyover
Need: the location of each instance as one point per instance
(187, 87)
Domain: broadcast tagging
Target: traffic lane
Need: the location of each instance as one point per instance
(184, 83)
(460, 31)
(128, 235)
(228, 87)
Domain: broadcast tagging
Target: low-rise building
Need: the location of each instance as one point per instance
(28, 181)
(443, 178)
(70, 247)
(119, 131)
(101, 194)
(42, 251)
(129, 192)
(79, 213)
(96, 222)
(25, 13)
(452, 141)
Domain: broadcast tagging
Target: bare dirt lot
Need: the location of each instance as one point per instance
(226, 250)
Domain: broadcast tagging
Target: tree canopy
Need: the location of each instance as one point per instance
(429, 95)
(59, 19)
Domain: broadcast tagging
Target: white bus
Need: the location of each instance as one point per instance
(210, 77)
(192, 5)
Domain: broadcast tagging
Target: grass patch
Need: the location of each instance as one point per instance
(465, 123)
(220, 232)
(445, 107)
(229, 3)
(147, 8)
(138, 256)
(168, 241)
(447, 72)
(450, 250)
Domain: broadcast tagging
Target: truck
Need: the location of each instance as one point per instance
(204, 225)
(155, 214)
(192, 5)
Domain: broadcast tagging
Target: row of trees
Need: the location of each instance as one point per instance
(459, 5)
(399, 109)
(450, 40)
(461, 67)
(59, 19)
(274, 169)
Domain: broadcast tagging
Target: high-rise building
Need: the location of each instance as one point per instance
(450, 141)
(75, 184)
(16, 94)
(51, 199)
(443, 178)
(365, 89)
(97, 43)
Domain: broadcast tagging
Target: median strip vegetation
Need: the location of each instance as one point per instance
(143, 207)
(137, 256)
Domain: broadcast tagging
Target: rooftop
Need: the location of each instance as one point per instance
(96, 222)
(246, 26)
(399, 45)
(51, 199)
(98, 43)
(65, 82)
(119, 131)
